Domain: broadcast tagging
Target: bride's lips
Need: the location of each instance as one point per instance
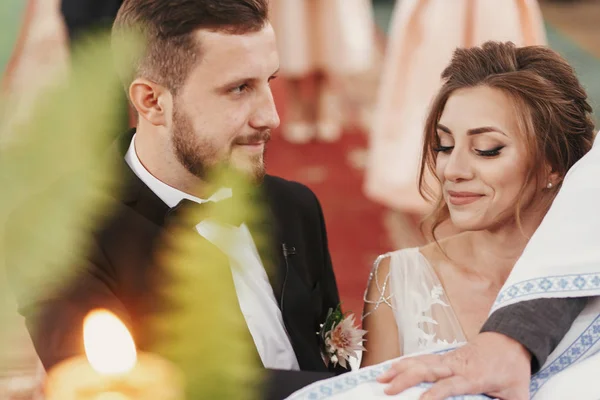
(462, 198)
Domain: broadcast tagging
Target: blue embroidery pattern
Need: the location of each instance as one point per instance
(586, 345)
(554, 284)
(575, 352)
(343, 383)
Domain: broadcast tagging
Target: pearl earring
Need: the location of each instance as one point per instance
(549, 186)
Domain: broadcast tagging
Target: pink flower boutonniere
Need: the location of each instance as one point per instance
(341, 339)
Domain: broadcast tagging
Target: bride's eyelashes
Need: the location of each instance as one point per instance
(490, 153)
(483, 153)
(443, 149)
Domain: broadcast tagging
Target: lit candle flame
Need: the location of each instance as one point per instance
(108, 344)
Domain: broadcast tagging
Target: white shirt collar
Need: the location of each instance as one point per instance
(168, 194)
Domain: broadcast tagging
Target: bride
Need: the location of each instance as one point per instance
(502, 132)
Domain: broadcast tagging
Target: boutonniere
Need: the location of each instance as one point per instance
(340, 338)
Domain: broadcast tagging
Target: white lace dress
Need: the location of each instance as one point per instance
(423, 314)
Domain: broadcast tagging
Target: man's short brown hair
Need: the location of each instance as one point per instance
(167, 29)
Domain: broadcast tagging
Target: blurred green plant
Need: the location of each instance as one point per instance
(53, 177)
(206, 333)
(58, 184)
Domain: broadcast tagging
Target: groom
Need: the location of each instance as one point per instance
(202, 95)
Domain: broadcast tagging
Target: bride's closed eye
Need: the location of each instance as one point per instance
(490, 153)
(443, 149)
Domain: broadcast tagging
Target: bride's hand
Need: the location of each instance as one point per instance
(491, 363)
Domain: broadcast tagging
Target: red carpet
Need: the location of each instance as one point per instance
(354, 224)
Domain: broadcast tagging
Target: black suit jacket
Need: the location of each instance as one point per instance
(121, 270)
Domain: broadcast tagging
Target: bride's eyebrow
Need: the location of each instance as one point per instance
(473, 131)
(484, 129)
(444, 128)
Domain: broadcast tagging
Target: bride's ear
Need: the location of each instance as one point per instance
(552, 180)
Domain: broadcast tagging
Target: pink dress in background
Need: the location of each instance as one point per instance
(332, 36)
(424, 34)
(42, 48)
(39, 59)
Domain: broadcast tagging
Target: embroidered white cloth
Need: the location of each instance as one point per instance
(362, 385)
(579, 381)
(562, 259)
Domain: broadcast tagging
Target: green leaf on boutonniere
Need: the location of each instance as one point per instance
(334, 317)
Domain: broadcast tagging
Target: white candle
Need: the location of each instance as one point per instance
(112, 369)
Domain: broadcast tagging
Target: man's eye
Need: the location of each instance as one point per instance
(240, 89)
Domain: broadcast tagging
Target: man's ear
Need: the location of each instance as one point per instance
(150, 101)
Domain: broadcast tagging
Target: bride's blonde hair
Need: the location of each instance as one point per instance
(551, 107)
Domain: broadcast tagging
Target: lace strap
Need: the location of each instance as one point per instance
(381, 287)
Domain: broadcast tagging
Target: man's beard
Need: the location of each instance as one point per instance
(201, 158)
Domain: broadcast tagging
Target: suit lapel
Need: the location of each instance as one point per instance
(291, 292)
(267, 236)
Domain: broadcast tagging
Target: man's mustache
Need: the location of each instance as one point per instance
(257, 137)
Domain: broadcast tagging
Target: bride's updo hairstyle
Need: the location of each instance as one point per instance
(551, 106)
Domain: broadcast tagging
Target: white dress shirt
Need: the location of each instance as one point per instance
(254, 292)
